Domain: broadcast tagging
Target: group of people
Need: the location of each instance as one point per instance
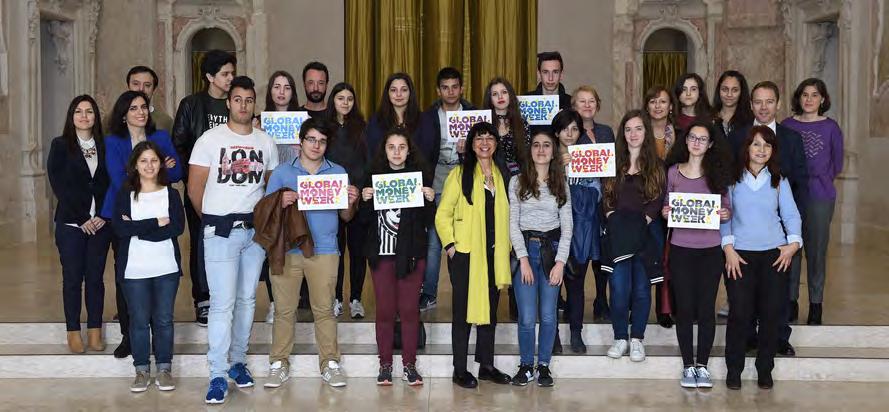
(499, 204)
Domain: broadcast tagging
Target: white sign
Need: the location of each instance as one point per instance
(323, 192)
(592, 160)
(460, 121)
(283, 126)
(397, 190)
(539, 110)
(694, 210)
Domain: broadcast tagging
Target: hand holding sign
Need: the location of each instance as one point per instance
(460, 121)
(283, 126)
(694, 210)
(539, 110)
(324, 192)
(397, 190)
(592, 160)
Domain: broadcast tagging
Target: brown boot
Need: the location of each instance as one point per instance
(75, 341)
(94, 337)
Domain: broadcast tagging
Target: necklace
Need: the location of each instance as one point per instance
(88, 147)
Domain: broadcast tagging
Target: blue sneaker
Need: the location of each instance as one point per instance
(241, 375)
(217, 390)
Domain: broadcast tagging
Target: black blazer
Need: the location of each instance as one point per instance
(792, 162)
(146, 229)
(72, 184)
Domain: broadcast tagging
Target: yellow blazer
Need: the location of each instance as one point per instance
(463, 225)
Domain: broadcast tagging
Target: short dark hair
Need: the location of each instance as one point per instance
(564, 118)
(817, 83)
(768, 84)
(551, 55)
(214, 60)
(243, 82)
(320, 124)
(142, 69)
(448, 73)
(316, 66)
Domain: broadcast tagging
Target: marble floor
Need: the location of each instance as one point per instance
(440, 395)
(30, 288)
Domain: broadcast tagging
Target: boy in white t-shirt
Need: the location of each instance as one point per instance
(229, 167)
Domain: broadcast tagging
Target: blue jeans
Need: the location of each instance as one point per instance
(433, 259)
(630, 288)
(233, 265)
(150, 305)
(527, 298)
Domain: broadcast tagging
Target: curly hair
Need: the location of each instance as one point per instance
(717, 163)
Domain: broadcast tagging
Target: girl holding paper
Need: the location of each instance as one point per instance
(632, 202)
(759, 241)
(280, 96)
(473, 223)
(702, 164)
(396, 246)
(540, 228)
(691, 93)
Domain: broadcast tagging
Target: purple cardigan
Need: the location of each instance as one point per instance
(823, 144)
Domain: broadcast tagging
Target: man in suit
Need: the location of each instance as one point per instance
(764, 102)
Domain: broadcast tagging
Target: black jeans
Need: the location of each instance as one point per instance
(576, 296)
(83, 263)
(458, 266)
(761, 290)
(694, 276)
(351, 234)
(200, 292)
(123, 313)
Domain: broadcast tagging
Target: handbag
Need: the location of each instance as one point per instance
(421, 339)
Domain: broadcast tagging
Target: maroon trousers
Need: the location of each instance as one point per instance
(401, 297)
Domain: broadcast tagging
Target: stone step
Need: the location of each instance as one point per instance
(811, 363)
(362, 333)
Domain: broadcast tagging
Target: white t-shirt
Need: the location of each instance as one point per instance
(147, 259)
(238, 165)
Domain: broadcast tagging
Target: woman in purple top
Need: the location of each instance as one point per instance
(823, 144)
(700, 165)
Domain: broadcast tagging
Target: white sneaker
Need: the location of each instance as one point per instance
(356, 309)
(618, 349)
(278, 374)
(270, 317)
(637, 351)
(337, 308)
(333, 374)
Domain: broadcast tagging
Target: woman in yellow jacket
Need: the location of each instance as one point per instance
(473, 224)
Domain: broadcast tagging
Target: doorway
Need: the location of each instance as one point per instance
(665, 57)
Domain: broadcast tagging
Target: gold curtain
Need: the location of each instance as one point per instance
(197, 80)
(483, 39)
(662, 68)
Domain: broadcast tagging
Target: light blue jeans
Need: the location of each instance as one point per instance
(539, 297)
(233, 266)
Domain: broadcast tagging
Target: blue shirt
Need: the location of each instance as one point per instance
(117, 153)
(323, 224)
(763, 217)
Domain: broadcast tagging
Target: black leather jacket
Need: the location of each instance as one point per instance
(190, 123)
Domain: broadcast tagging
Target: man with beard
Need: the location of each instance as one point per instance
(315, 78)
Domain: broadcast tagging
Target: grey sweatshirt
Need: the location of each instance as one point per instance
(542, 215)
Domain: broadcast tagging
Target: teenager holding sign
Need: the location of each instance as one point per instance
(759, 242)
(632, 202)
(700, 165)
(396, 247)
(540, 226)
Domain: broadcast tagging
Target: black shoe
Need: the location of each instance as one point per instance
(794, 311)
(524, 375)
(464, 380)
(201, 313)
(557, 345)
(786, 349)
(665, 321)
(814, 314)
(577, 345)
(765, 381)
(733, 381)
(544, 378)
(122, 350)
(494, 375)
(601, 311)
(385, 376)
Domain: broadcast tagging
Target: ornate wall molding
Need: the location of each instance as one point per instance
(60, 35)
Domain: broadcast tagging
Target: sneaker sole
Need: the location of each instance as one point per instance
(545, 385)
(214, 401)
(275, 385)
(409, 383)
(337, 385)
(642, 359)
(138, 390)
(614, 356)
(705, 385)
(383, 383)
(164, 388)
(689, 386)
(246, 385)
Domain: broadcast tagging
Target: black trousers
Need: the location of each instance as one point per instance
(123, 313)
(200, 291)
(575, 279)
(761, 290)
(458, 266)
(351, 234)
(83, 268)
(694, 278)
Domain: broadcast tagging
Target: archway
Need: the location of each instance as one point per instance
(202, 42)
(665, 57)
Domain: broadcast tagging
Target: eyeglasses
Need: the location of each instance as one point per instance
(700, 139)
(314, 140)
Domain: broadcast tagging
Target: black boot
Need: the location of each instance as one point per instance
(665, 320)
(557, 344)
(814, 314)
(577, 345)
(123, 350)
(794, 311)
